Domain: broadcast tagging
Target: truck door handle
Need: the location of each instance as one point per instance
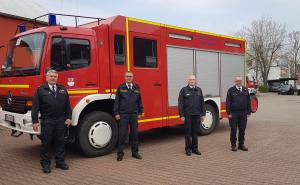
(157, 84)
(90, 84)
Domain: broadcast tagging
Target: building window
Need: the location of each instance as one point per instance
(68, 54)
(119, 49)
(145, 53)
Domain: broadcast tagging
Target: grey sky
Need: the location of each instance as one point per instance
(219, 16)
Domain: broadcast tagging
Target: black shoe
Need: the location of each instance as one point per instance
(62, 166)
(233, 148)
(197, 152)
(120, 157)
(46, 169)
(136, 155)
(188, 153)
(243, 147)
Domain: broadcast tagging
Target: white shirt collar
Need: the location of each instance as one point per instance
(238, 88)
(50, 86)
(192, 86)
(129, 84)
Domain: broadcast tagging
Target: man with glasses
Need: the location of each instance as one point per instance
(128, 108)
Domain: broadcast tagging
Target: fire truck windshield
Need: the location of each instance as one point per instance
(24, 55)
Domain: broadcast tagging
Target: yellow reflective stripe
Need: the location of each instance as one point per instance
(127, 45)
(82, 91)
(158, 119)
(110, 90)
(181, 28)
(19, 86)
(223, 110)
(144, 21)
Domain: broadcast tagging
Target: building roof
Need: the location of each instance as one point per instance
(21, 9)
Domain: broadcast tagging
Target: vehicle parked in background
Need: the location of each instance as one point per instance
(286, 88)
(275, 84)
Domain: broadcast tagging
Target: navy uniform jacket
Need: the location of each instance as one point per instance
(49, 105)
(238, 101)
(128, 101)
(191, 102)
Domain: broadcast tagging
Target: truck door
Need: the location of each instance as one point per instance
(145, 63)
(72, 57)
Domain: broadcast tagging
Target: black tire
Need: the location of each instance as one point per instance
(298, 93)
(212, 113)
(87, 128)
(278, 93)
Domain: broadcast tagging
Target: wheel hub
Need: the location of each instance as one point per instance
(208, 121)
(100, 134)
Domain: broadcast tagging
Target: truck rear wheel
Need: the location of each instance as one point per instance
(210, 121)
(97, 134)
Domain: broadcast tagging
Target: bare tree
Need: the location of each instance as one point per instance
(293, 51)
(265, 39)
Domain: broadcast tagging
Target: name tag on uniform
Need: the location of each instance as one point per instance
(136, 91)
(61, 91)
(187, 94)
(124, 91)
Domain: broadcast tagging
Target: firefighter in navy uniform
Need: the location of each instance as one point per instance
(52, 101)
(238, 109)
(128, 108)
(191, 111)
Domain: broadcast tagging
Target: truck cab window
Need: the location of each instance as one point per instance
(68, 54)
(145, 53)
(119, 43)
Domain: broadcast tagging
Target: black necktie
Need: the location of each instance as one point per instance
(130, 86)
(53, 90)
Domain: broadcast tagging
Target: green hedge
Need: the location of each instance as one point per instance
(263, 88)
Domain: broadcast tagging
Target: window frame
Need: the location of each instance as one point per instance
(124, 50)
(70, 38)
(155, 52)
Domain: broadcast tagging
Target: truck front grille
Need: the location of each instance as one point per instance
(17, 105)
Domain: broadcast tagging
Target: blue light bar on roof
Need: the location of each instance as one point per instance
(22, 28)
(52, 20)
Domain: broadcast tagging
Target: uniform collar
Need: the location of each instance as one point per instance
(51, 86)
(125, 85)
(46, 86)
(192, 87)
(238, 88)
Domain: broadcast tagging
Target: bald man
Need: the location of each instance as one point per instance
(192, 112)
(238, 109)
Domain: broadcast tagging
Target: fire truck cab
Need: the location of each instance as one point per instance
(91, 60)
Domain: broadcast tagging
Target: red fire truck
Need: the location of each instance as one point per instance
(91, 60)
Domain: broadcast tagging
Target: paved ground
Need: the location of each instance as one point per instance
(273, 136)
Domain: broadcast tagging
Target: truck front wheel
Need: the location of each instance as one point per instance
(97, 134)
